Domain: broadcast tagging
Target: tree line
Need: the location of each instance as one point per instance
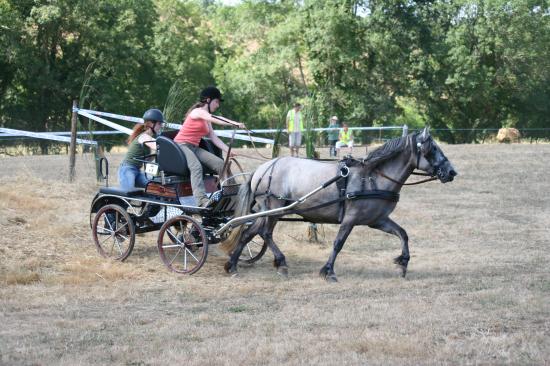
(455, 65)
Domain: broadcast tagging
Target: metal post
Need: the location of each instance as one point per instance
(72, 149)
(405, 130)
(98, 155)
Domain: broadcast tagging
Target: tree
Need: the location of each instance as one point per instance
(56, 47)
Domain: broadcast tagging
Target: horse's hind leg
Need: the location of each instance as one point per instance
(246, 236)
(327, 271)
(389, 226)
(279, 260)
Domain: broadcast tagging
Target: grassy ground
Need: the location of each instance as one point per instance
(477, 290)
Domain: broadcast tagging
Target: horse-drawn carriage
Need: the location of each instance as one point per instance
(350, 193)
(167, 205)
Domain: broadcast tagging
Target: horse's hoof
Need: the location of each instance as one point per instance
(403, 270)
(282, 271)
(331, 278)
(227, 267)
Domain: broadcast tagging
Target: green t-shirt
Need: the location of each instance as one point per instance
(136, 151)
(333, 134)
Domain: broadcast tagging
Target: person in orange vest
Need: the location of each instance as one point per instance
(345, 139)
(294, 126)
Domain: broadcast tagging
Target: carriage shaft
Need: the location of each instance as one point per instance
(276, 211)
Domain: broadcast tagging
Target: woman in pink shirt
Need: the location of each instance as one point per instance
(198, 124)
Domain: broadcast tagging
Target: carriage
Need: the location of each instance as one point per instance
(349, 193)
(166, 205)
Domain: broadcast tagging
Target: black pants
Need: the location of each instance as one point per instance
(332, 151)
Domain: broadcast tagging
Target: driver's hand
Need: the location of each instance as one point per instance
(232, 154)
(242, 126)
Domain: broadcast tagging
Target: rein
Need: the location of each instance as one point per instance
(248, 133)
(408, 184)
(228, 156)
(418, 153)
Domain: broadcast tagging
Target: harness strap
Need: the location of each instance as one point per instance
(342, 186)
(270, 169)
(359, 195)
(407, 184)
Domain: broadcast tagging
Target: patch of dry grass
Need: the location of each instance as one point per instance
(477, 291)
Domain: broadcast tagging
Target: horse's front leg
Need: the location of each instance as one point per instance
(389, 226)
(327, 271)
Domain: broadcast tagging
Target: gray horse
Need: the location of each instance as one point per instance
(362, 192)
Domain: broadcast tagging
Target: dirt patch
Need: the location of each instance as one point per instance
(476, 292)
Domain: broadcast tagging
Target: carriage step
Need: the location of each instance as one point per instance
(121, 192)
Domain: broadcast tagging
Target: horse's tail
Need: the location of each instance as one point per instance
(244, 203)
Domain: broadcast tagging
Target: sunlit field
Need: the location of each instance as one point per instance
(477, 290)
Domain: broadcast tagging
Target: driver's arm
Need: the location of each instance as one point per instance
(148, 141)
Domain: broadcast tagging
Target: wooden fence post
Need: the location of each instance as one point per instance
(72, 149)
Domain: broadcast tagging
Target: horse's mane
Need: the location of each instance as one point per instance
(386, 151)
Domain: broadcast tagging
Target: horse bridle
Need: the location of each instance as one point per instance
(419, 153)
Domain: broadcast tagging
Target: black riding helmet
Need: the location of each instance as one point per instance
(210, 92)
(153, 115)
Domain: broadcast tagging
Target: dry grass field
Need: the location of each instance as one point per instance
(477, 290)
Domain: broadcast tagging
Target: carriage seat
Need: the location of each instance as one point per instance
(172, 160)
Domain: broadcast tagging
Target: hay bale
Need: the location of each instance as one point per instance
(507, 135)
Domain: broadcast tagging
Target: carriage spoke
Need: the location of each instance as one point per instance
(175, 256)
(249, 251)
(173, 237)
(118, 245)
(180, 245)
(113, 232)
(107, 238)
(191, 254)
(105, 231)
(120, 228)
(185, 259)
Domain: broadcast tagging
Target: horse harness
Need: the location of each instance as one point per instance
(341, 180)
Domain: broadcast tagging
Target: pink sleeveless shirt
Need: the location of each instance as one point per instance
(192, 131)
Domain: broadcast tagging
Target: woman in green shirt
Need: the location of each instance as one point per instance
(141, 143)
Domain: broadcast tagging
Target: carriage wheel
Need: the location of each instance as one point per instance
(182, 245)
(114, 232)
(253, 250)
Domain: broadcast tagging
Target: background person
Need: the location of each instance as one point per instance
(140, 143)
(294, 126)
(333, 134)
(345, 139)
(198, 124)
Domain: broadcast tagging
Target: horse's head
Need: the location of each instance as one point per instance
(431, 159)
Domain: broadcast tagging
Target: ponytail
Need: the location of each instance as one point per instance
(196, 105)
(138, 130)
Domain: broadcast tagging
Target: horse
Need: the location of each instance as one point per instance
(353, 192)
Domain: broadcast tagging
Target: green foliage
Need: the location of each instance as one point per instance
(310, 115)
(410, 115)
(452, 65)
